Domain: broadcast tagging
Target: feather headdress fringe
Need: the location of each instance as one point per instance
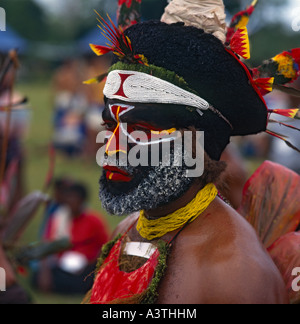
(289, 144)
(273, 74)
(240, 43)
(120, 44)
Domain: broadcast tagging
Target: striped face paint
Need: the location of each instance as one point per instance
(128, 133)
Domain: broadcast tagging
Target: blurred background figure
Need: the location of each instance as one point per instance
(94, 94)
(56, 212)
(14, 120)
(70, 106)
(14, 125)
(14, 293)
(77, 107)
(71, 272)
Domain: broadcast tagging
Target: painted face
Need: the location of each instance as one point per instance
(149, 188)
(126, 131)
(127, 188)
(153, 134)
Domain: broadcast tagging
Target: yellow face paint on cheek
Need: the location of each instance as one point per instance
(164, 132)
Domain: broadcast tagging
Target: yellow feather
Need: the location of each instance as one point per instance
(91, 81)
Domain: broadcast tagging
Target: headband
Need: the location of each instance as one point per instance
(133, 86)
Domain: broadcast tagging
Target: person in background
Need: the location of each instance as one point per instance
(70, 272)
(70, 107)
(12, 160)
(56, 206)
(93, 117)
(13, 130)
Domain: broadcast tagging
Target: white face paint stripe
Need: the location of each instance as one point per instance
(163, 139)
(151, 142)
(132, 86)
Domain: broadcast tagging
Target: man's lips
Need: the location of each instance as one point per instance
(116, 174)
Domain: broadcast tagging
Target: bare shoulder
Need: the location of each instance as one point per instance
(229, 263)
(239, 262)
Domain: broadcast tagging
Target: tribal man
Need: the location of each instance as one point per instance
(182, 243)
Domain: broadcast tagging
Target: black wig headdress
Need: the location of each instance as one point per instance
(207, 64)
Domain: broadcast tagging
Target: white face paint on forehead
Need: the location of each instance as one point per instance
(139, 87)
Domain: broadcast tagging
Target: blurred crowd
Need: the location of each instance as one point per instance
(64, 255)
(13, 129)
(78, 107)
(68, 217)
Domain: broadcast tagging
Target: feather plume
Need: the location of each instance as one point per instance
(120, 44)
(100, 50)
(290, 113)
(239, 43)
(97, 79)
(289, 144)
(265, 85)
(240, 20)
(284, 124)
(284, 67)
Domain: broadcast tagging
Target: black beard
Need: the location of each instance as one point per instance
(151, 187)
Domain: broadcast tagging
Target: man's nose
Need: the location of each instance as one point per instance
(117, 143)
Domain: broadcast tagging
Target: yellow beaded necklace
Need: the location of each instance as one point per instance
(153, 229)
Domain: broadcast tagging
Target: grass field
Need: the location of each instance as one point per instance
(36, 167)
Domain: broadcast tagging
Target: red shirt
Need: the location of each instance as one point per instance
(88, 234)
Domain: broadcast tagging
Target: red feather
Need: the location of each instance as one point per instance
(284, 67)
(239, 20)
(100, 50)
(296, 56)
(120, 43)
(290, 113)
(265, 85)
(240, 43)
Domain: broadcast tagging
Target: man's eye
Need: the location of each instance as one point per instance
(109, 125)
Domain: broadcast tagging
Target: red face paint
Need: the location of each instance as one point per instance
(116, 174)
(114, 144)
